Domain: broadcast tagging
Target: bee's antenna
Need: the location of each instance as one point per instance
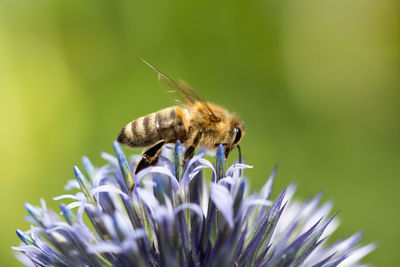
(240, 154)
(240, 159)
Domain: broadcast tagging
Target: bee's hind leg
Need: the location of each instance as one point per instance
(190, 150)
(150, 156)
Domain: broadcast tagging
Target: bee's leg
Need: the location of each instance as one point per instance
(227, 149)
(190, 150)
(150, 156)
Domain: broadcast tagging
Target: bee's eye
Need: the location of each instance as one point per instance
(238, 135)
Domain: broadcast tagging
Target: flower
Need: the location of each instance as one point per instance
(167, 215)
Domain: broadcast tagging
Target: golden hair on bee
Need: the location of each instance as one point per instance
(196, 123)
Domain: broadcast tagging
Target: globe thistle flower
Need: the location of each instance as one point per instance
(167, 215)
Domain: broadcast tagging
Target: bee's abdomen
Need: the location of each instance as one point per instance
(166, 124)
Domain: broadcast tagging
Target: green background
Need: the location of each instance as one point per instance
(316, 82)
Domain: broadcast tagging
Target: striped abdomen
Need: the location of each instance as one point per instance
(169, 124)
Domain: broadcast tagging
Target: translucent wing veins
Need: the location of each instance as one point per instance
(190, 94)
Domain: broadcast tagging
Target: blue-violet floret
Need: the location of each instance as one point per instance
(168, 215)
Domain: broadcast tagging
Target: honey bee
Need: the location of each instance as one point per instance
(195, 123)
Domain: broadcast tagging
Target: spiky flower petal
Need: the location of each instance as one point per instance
(173, 216)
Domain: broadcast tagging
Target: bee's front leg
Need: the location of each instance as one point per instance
(190, 150)
(227, 149)
(150, 156)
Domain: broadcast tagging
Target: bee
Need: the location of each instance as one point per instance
(195, 123)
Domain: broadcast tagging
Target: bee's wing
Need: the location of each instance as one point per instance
(186, 91)
(173, 94)
(190, 90)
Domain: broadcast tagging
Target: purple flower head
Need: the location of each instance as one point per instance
(168, 215)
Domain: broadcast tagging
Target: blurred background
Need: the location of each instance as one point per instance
(316, 82)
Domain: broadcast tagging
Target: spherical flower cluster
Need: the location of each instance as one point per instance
(167, 215)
